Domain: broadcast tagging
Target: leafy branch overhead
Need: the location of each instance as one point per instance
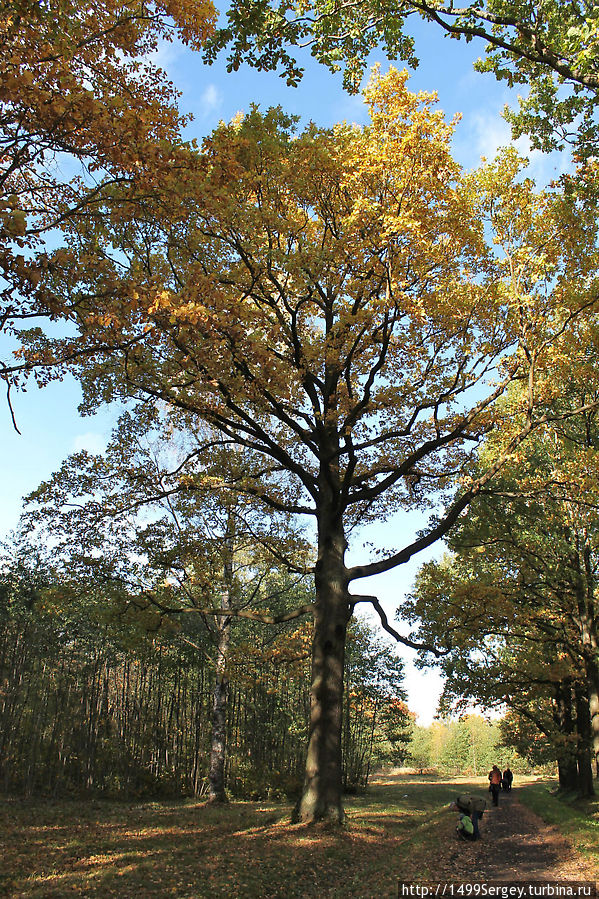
(82, 109)
(330, 303)
(550, 46)
(157, 515)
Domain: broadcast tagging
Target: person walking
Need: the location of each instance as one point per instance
(506, 781)
(495, 783)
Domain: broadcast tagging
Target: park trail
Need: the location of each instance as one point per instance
(516, 844)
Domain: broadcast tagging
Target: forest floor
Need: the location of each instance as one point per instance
(400, 830)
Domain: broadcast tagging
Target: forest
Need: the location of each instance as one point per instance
(106, 704)
(305, 332)
(102, 702)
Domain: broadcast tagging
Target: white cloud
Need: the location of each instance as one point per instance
(482, 134)
(165, 54)
(353, 110)
(91, 441)
(490, 133)
(210, 100)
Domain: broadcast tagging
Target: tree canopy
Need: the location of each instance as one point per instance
(515, 606)
(82, 107)
(349, 307)
(549, 46)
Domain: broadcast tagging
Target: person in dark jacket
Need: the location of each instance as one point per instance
(506, 780)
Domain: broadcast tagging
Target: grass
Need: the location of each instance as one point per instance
(190, 850)
(577, 819)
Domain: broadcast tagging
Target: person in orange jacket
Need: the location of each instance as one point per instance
(495, 783)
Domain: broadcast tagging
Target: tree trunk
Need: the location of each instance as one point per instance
(583, 752)
(566, 762)
(593, 688)
(567, 773)
(218, 742)
(588, 634)
(322, 794)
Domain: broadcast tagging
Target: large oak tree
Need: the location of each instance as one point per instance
(349, 307)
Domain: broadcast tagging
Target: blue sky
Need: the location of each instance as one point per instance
(48, 420)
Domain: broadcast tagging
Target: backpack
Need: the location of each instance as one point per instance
(471, 804)
(466, 825)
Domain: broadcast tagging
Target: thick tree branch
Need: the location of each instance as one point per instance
(374, 602)
(10, 407)
(251, 614)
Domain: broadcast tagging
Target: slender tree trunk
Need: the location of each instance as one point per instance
(322, 794)
(590, 644)
(371, 745)
(593, 694)
(583, 752)
(346, 735)
(218, 743)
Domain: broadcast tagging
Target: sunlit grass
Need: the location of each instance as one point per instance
(193, 850)
(577, 819)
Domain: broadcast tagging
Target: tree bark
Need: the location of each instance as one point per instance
(218, 740)
(566, 762)
(595, 722)
(583, 751)
(567, 773)
(589, 641)
(322, 793)
(593, 694)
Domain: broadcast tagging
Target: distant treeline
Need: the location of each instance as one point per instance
(469, 746)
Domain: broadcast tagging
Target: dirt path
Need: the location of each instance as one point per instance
(515, 844)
